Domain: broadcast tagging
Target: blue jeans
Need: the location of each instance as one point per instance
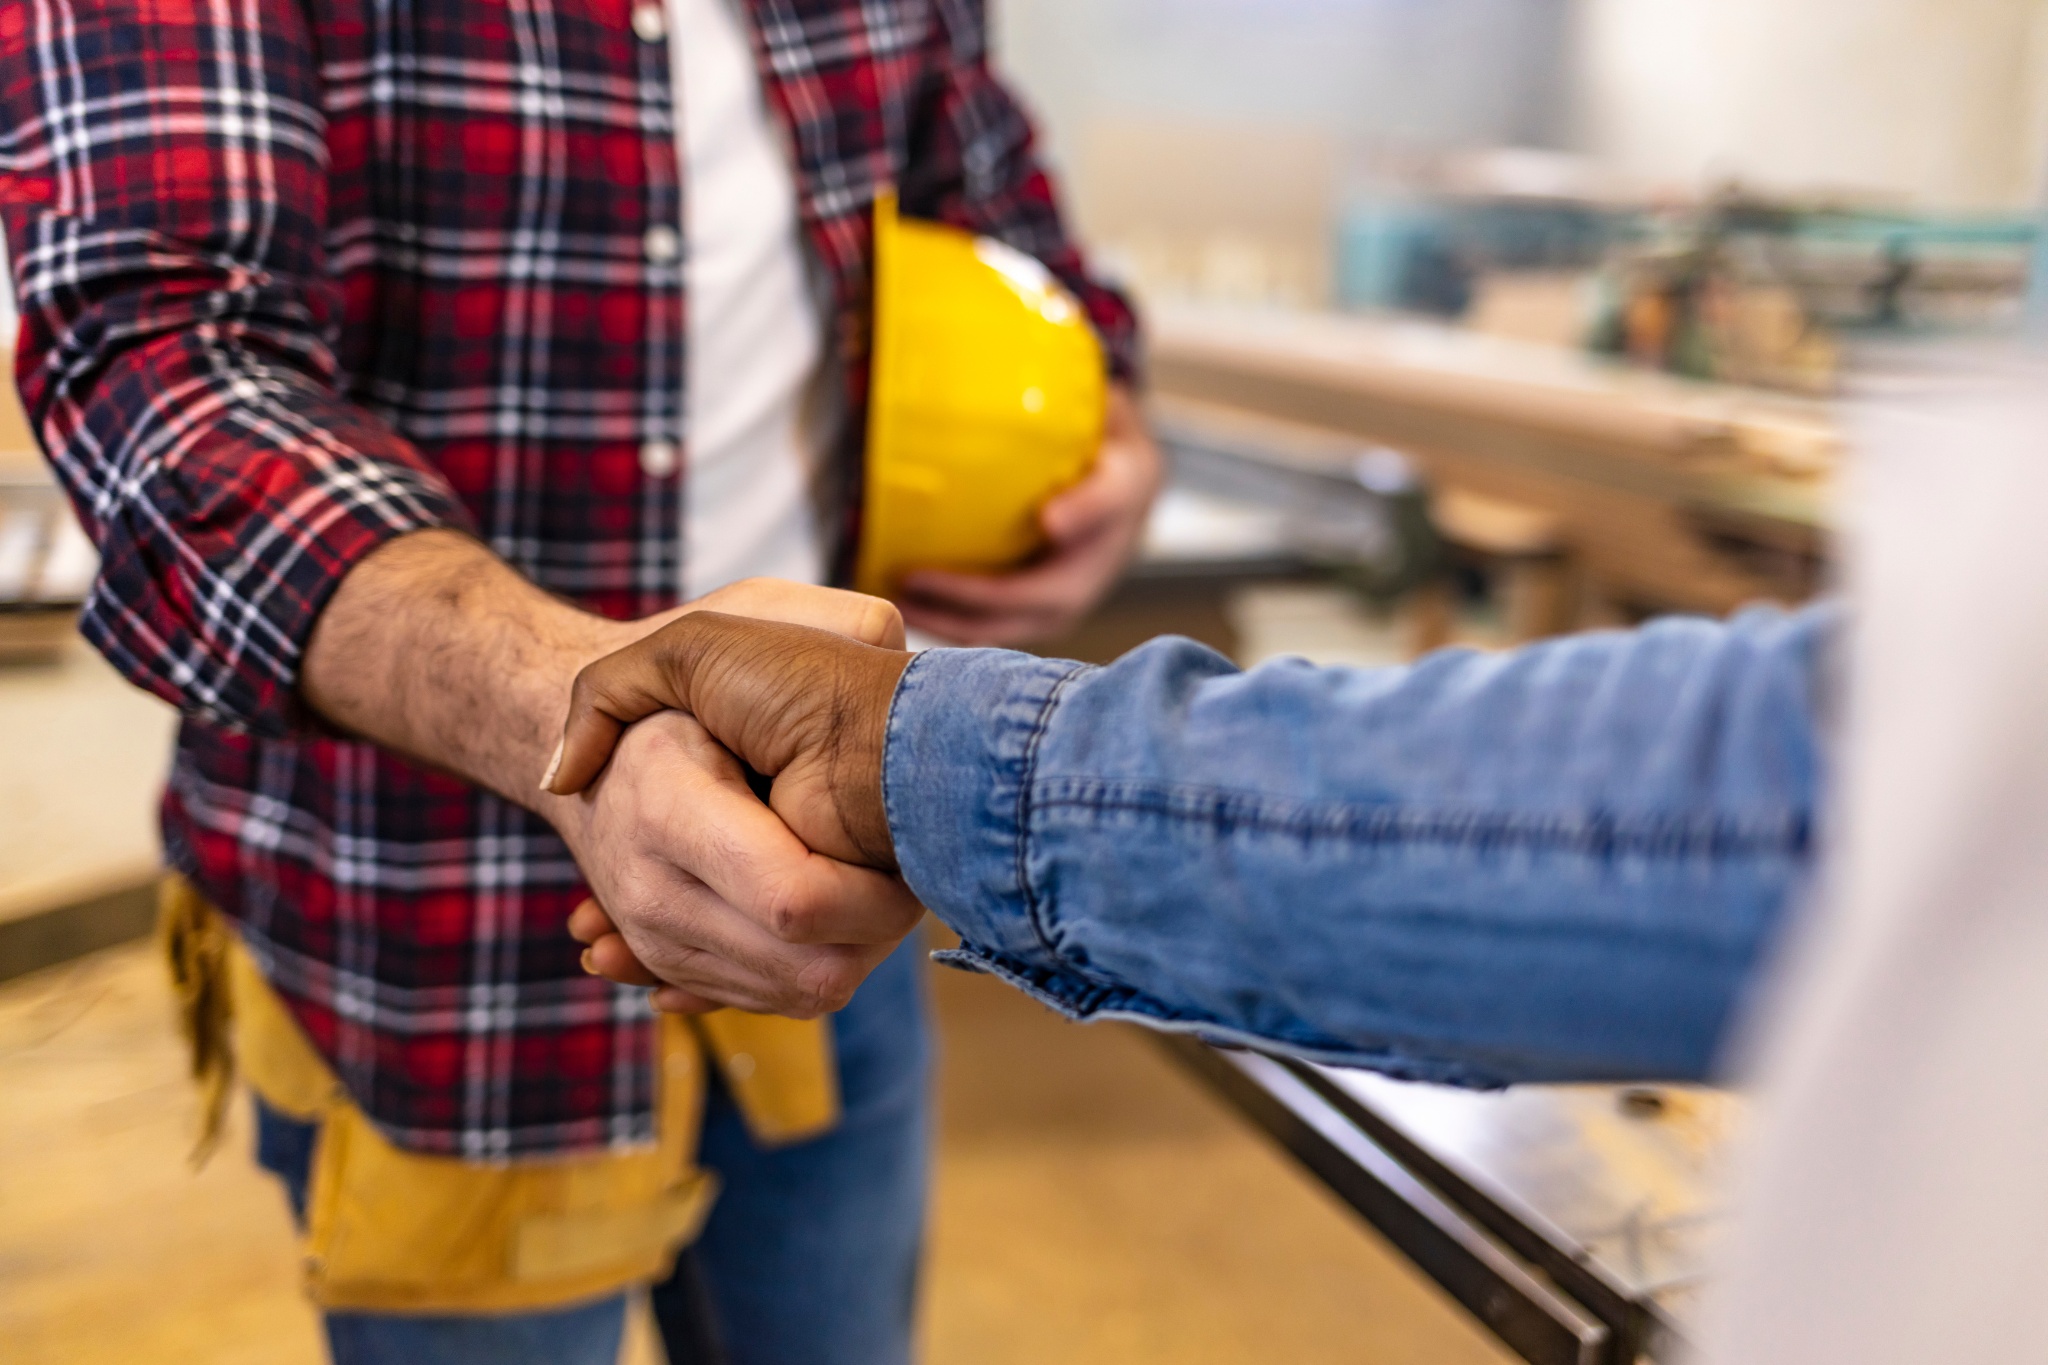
(809, 1258)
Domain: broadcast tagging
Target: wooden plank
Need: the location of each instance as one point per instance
(1629, 471)
(1448, 371)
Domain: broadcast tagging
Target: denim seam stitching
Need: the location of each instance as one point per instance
(1027, 763)
(1719, 835)
(889, 736)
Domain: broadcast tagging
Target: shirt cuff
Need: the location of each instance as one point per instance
(277, 573)
(963, 736)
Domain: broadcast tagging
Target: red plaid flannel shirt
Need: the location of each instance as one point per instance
(298, 276)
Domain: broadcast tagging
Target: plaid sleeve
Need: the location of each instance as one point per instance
(973, 163)
(163, 183)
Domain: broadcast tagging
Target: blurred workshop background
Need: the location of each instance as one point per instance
(1470, 321)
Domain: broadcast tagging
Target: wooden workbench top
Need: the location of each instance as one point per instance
(1417, 375)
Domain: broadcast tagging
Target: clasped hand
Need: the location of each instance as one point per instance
(703, 891)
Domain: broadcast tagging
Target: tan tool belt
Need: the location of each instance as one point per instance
(389, 1230)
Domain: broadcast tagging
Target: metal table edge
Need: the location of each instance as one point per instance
(1531, 1316)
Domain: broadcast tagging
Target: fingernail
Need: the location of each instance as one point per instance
(588, 969)
(547, 781)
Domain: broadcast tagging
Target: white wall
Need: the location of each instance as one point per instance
(1943, 103)
(1204, 145)
(1458, 72)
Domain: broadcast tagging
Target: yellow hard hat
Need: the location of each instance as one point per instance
(988, 396)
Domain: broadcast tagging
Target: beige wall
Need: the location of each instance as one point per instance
(1226, 213)
(1942, 103)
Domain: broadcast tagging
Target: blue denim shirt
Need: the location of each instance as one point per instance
(1562, 863)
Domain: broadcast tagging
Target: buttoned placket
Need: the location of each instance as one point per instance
(662, 244)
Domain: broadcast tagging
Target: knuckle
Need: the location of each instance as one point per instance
(733, 595)
(825, 985)
(882, 622)
(790, 910)
(646, 743)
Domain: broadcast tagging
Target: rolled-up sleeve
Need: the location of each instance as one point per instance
(163, 187)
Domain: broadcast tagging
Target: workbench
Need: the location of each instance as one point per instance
(1668, 494)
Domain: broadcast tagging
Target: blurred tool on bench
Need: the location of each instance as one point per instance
(1251, 501)
(1526, 552)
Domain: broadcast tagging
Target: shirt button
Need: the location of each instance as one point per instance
(740, 1066)
(650, 22)
(659, 459)
(663, 243)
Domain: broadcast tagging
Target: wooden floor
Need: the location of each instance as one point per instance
(111, 1249)
(1091, 1205)
(1094, 1205)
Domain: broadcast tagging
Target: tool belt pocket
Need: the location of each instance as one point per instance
(393, 1231)
(389, 1230)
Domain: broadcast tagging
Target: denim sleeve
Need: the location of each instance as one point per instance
(1561, 863)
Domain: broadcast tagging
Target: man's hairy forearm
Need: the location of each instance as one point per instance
(436, 648)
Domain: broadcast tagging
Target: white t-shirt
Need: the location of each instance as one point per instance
(756, 330)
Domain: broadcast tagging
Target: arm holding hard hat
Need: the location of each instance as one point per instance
(1562, 863)
(1008, 474)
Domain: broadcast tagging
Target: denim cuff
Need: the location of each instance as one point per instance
(964, 731)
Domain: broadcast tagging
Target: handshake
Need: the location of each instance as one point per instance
(703, 891)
